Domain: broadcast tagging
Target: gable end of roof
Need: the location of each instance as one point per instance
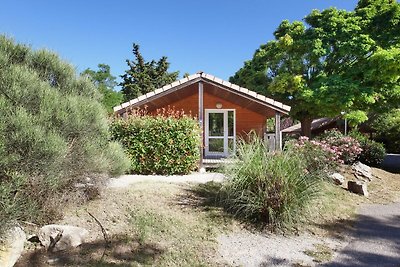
(206, 78)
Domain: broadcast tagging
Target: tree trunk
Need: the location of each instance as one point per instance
(306, 127)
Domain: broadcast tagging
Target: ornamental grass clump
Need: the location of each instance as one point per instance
(274, 189)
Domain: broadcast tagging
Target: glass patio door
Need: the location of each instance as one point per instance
(219, 132)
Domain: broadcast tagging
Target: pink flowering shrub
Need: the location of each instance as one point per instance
(323, 155)
(345, 147)
(320, 158)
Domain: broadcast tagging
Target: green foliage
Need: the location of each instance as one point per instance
(336, 61)
(105, 83)
(271, 188)
(372, 153)
(387, 128)
(167, 143)
(143, 77)
(53, 131)
(356, 117)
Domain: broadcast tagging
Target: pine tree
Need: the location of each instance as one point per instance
(143, 77)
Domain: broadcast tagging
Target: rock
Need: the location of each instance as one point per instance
(12, 246)
(357, 187)
(52, 261)
(82, 185)
(69, 236)
(337, 178)
(362, 171)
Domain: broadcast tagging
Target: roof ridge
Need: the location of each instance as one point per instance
(206, 76)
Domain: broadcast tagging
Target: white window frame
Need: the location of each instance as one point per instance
(226, 137)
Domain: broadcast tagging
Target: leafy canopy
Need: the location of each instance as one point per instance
(336, 61)
(106, 83)
(143, 77)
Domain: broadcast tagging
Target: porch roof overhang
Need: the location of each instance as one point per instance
(247, 96)
(315, 125)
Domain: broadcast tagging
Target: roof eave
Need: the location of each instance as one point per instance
(244, 92)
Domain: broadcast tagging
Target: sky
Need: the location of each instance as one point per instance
(214, 36)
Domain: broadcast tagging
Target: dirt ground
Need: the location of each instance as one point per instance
(169, 224)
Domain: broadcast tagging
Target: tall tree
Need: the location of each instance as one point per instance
(106, 83)
(336, 61)
(143, 77)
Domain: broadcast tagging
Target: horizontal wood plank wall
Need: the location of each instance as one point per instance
(246, 119)
(189, 104)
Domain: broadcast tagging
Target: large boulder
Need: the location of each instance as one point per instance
(12, 246)
(62, 237)
(357, 187)
(361, 171)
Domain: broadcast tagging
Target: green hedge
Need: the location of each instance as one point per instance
(159, 144)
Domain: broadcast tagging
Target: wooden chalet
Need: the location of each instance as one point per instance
(224, 110)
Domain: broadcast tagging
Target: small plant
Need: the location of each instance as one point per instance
(164, 143)
(321, 253)
(272, 188)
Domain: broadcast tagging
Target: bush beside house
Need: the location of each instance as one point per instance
(166, 143)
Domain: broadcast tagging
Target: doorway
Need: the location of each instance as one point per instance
(220, 132)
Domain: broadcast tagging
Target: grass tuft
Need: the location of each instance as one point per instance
(321, 253)
(271, 188)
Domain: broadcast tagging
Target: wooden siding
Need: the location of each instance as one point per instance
(186, 99)
(246, 120)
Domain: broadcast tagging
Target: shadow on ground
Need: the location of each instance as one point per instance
(120, 252)
(201, 196)
(375, 242)
(374, 234)
(205, 197)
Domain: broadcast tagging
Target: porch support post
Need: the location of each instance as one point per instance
(278, 133)
(201, 119)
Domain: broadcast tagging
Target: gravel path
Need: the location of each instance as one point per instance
(376, 241)
(126, 180)
(254, 249)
